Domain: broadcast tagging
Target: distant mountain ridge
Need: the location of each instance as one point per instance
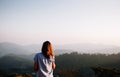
(90, 48)
(11, 48)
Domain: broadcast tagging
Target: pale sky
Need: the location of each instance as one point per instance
(60, 21)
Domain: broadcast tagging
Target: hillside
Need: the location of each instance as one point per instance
(68, 65)
(80, 64)
(15, 64)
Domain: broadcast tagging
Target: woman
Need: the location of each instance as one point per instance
(44, 62)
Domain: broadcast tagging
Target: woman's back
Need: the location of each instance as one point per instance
(45, 65)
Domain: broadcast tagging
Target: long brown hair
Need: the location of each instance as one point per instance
(47, 49)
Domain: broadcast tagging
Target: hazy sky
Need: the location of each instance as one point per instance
(60, 21)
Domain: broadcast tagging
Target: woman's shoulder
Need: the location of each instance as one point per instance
(38, 53)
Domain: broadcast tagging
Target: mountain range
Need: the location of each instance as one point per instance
(15, 58)
(12, 48)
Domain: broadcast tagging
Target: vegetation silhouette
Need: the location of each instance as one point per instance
(68, 65)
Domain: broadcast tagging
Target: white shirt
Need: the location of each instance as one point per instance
(45, 66)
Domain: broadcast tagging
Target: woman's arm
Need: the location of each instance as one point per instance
(36, 66)
(53, 62)
(53, 65)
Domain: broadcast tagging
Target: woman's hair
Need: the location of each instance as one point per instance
(47, 49)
